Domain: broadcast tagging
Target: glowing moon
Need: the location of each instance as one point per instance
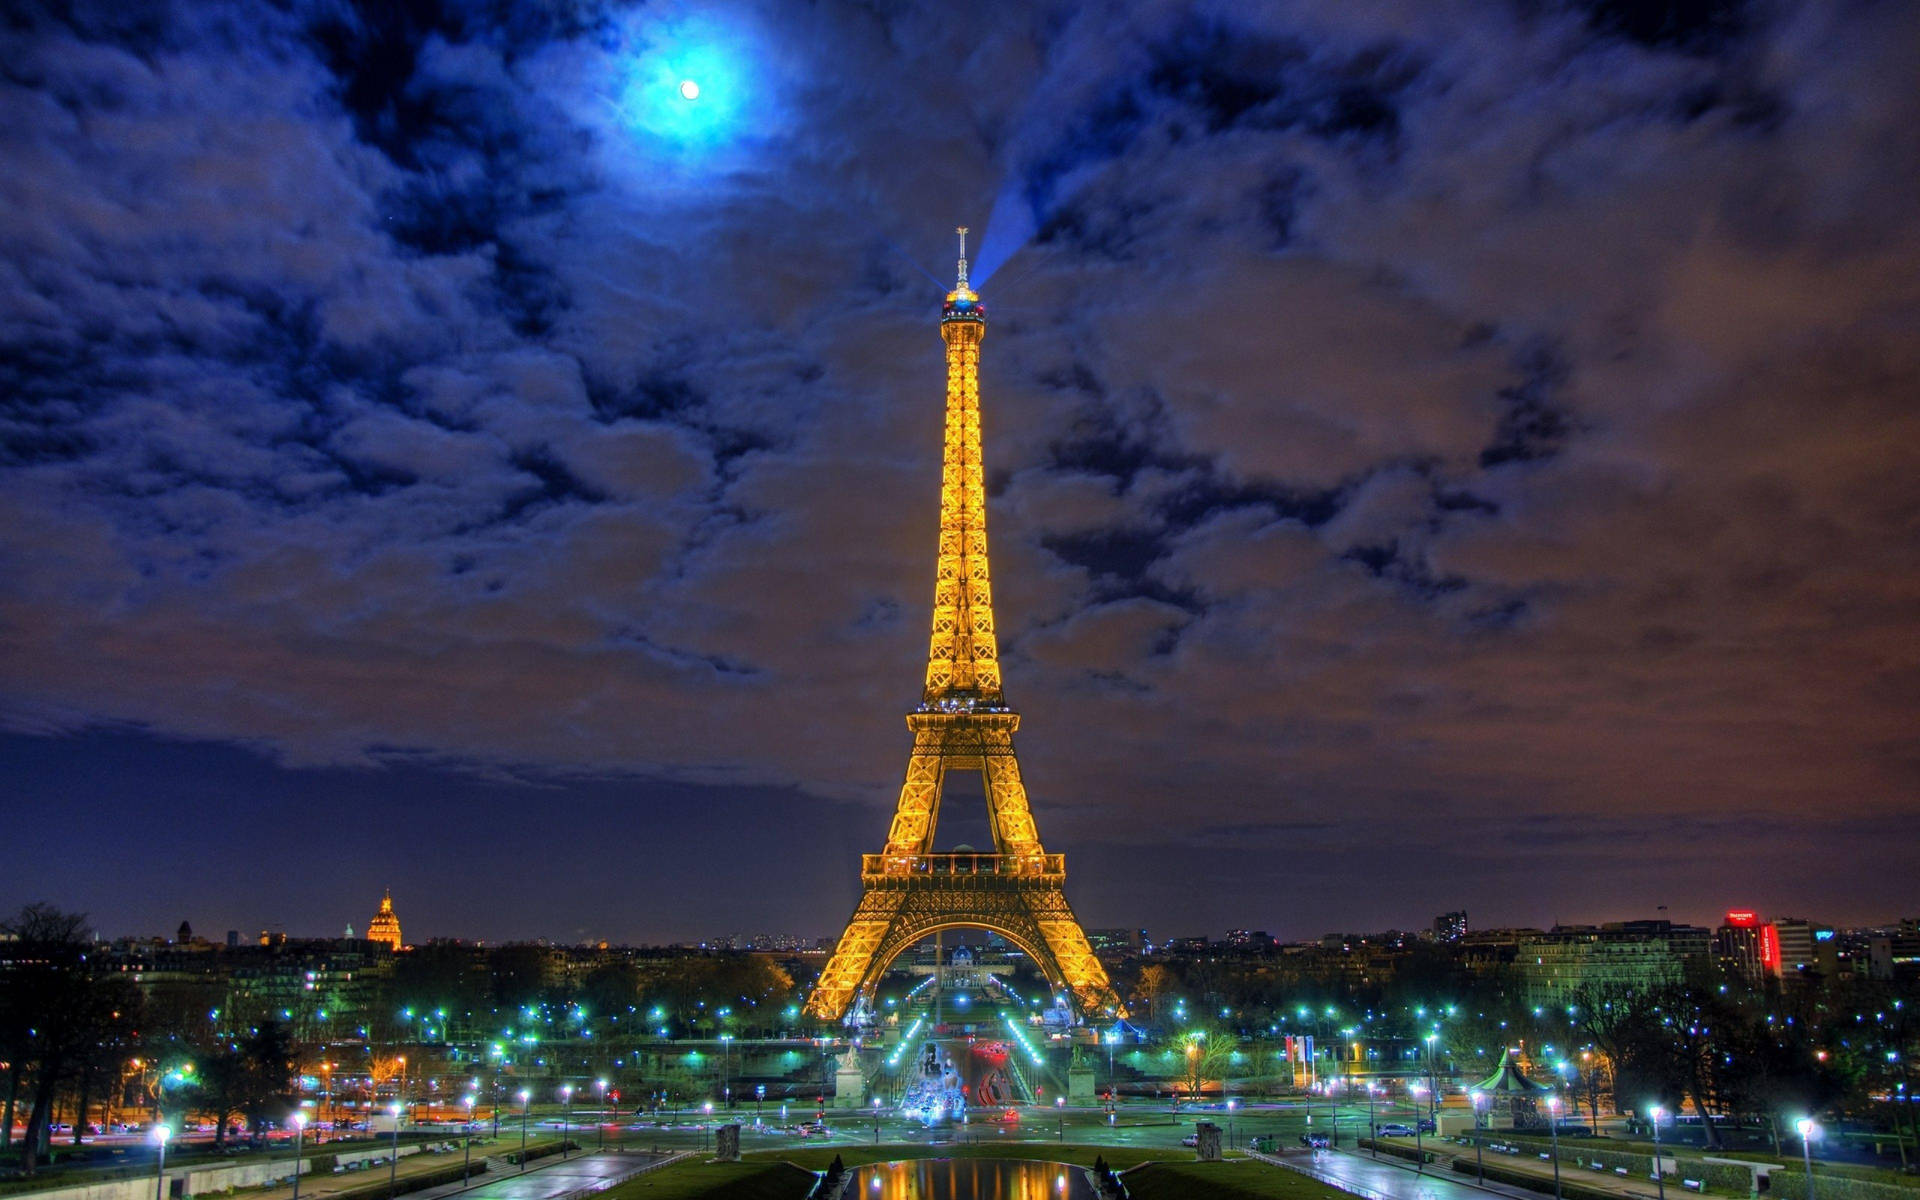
(689, 90)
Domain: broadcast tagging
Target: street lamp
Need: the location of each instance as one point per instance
(1433, 1078)
(1479, 1163)
(466, 1172)
(160, 1135)
(1659, 1176)
(393, 1164)
(566, 1121)
(1373, 1130)
(601, 1125)
(876, 1120)
(525, 1096)
(1553, 1123)
(726, 1069)
(1809, 1130)
(1419, 1155)
(299, 1120)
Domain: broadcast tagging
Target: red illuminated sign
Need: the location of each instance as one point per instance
(1770, 948)
(1742, 918)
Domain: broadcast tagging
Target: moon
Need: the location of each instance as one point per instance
(689, 90)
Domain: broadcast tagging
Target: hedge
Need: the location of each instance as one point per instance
(1788, 1183)
(1397, 1150)
(542, 1151)
(1719, 1177)
(1570, 1186)
(412, 1183)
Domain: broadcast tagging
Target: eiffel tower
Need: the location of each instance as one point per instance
(963, 723)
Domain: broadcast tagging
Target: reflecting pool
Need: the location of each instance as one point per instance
(969, 1179)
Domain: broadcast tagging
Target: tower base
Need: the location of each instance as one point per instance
(908, 898)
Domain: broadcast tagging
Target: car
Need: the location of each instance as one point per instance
(1314, 1141)
(1192, 1139)
(1427, 1125)
(1393, 1129)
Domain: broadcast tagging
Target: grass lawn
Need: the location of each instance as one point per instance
(716, 1181)
(1230, 1180)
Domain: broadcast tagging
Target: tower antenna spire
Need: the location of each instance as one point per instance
(962, 231)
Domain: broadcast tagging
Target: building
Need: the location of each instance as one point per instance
(1693, 943)
(1745, 947)
(1894, 954)
(1118, 943)
(385, 926)
(1555, 967)
(1450, 927)
(1807, 949)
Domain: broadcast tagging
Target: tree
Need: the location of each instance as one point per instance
(1206, 1053)
(249, 1078)
(1156, 981)
(61, 1019)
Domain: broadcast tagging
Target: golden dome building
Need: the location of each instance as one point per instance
(385, 926)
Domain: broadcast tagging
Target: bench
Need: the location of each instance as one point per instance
(1620, 1171)
(1692, 1185)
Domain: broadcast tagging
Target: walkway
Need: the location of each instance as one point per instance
(1387, 1178)
(550, 1178)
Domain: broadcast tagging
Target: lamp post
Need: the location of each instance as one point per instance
(1659, 1176)
(1373, 1130)
(1553, 1123)
(393, 1164)
(726, 1069)
(1433, 1079)
(525, 1096)
(160, 1135)
(299, 1120)
(601, 1125)
(566, 1121)
(1230, 1107)
(1419, 1155)
(876, 1120)
(1809, 1130)
(1479, 1162)
(706, 1122)
(466, 1171)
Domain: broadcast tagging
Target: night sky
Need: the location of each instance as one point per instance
(1442, 455)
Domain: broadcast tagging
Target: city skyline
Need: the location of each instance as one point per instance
(1435, 461)
(795, 939)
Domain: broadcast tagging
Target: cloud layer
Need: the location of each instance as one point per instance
(1408, 422)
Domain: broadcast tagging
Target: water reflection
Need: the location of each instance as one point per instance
(969, 1179)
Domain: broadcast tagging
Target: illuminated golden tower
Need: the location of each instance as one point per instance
(963, 723)
(385, 926)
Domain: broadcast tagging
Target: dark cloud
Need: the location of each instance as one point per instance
(1401, 417)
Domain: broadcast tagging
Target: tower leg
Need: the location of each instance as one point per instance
(852, 963)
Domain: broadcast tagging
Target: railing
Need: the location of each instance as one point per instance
(907, 865)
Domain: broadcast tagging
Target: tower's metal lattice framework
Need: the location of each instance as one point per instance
(963, 723)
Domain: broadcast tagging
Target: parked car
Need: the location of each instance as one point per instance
(1393, 1129)
(1192, 1139)
(1427, 1125)
(1314, 1141)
